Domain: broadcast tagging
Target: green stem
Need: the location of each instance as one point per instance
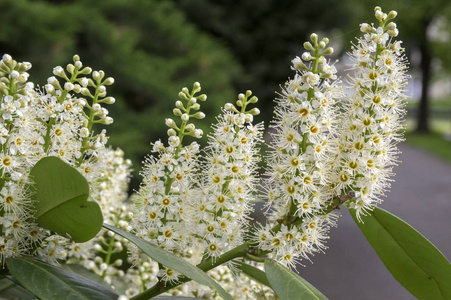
(159, 288)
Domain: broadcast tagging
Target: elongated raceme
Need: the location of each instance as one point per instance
(228, 178)
(302, 150)
(372, 115)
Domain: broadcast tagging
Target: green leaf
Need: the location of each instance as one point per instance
(289, 285)
(414, 261)
(62, 203)
(82, 271)
(50, 282)
(172, 261)
(10, 290)
(254, 273)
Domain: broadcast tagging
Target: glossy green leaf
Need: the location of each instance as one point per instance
(289, 285)
(51, 282)
(254, 273)
(82, 271)
(414, 261)
(10, 290)
(172, 261)
(62, 200)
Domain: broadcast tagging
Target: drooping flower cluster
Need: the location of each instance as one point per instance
(371, 120)
(54, 121)
(228, 178)
(302, 150)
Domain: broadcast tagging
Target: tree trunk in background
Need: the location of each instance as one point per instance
(425, 51)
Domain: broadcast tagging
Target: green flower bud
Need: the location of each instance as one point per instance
(195, 106)
(328, 51)
(239, 103)
(392, 15)
(76, 58)
(199, 115)
(314, 38)
(196, 87)
(202, 97)
(248, 93)
(182, 95)
(253, 99)
(255, 111)
(308, 46)
(177, 112)
(70, 68)
(109, 81)
(86, 71)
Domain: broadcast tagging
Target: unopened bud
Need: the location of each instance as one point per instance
(109, 81)
(308, 46)
(185, 117)
(172, 132)
(170, 123)
(314, 38)
(199, 115)
(177, 112)
(195, 106)
(76, 58)
(253, 99)
(86, 71)
(78, 65)
(96, 75)
(239, 103)
(192, 100)
(202, 97)
(70, 68)
(14, 74)
(196, 87)
(255, 111)
(392, 15)
(328, 51)
(107, 120)
(109, 100)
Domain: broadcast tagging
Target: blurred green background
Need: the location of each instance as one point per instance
(154, 48)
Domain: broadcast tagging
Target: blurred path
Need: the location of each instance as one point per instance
(421, 196)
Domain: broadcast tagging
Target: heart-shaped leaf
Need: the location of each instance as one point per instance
(172, 261)
(288, 285)
(51, 282)
(62, 200)
(414, 261)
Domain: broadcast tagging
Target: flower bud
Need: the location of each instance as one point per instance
(253, 99)
(14, 74)
(202, 97)
(6, 58)
(308, 46)
(109, 100)
(109, 81)
(102, 89)
(239, 103)
(199, 115)
(392, 15)
(96, 75)
(58, 71)
(255, 111)
(170, 123)
(328, 51)
(68, 86)
(107, 120)
(196, 87)
(70, 68)
(77, 88)
(192, 100)
(172, 132)
(195, 106)
(248, 93)
(76, 58)
(86, 71)
(306, 56)
(198, 133)
(185, 117)
(177, 112)
(321, 45)
(78, 65)
(96, 107)
(314, 38)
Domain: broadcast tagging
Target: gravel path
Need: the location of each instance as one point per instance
(421, 195)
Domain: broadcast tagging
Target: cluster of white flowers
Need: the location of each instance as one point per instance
(162, 212)
(302, 150)
(54, 121)
(371, 120)
(228, 178)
